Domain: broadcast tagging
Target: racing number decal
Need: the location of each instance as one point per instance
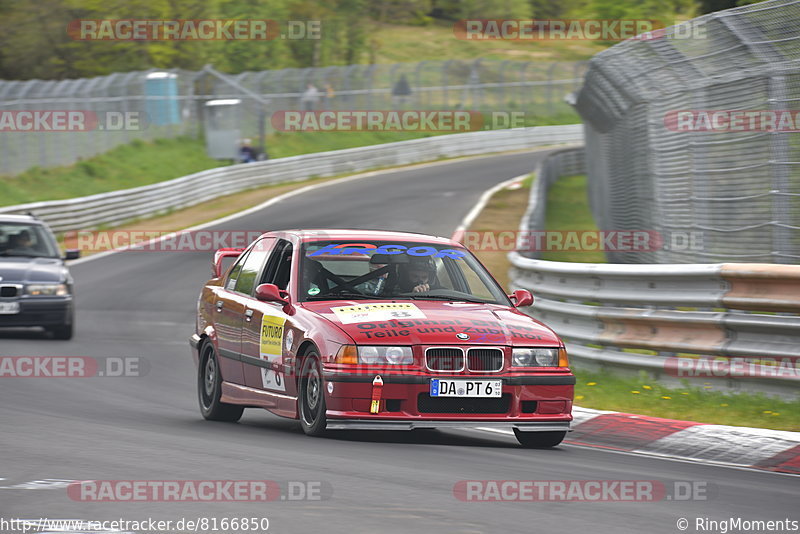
(272, 351)
(366, 313)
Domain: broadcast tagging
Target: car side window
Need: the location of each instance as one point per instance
(279, 269)
(246, 281)
(230, 283)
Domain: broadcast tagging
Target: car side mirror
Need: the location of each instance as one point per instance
(221, 254)
(521, 298)
(72, 254)
(271, 293)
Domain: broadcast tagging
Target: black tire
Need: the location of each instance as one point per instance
(61, 332)
(311, 398)
(539, 440)
(209, 389)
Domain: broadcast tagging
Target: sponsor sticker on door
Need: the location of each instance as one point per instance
(271, 351)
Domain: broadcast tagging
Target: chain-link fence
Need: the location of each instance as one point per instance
(171, 103)
(697, 130)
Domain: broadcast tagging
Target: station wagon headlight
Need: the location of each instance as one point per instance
(380, 355)
(40, 290)
(535, 357)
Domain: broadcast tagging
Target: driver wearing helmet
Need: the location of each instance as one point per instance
(418, 275)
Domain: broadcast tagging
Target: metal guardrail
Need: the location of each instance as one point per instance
(116, 207)
(741, 313)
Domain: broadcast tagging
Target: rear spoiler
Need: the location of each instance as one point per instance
(219, 255)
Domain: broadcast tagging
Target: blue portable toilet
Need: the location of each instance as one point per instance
(162, 103)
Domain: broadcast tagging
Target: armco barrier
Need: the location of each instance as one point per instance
(739, 313)
(119, 206)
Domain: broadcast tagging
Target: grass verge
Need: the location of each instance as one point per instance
(143, 163)
(604, 391)
(131, 165)
(396, 42)
(284, 144)
(567, 208)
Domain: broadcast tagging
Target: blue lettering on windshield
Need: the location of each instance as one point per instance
(421, 250)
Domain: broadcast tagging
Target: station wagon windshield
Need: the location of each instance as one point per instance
(28, 240)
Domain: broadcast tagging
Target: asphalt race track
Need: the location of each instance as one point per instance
(141, 304)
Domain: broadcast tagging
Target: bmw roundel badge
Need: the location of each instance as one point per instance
(462, 336)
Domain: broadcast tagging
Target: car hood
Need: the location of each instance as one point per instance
(421, 322)
(21, 270)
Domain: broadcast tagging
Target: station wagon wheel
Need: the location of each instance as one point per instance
(209, 389)
(312, 396)
(539, 440)
(65, 330)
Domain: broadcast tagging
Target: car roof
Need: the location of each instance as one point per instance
(9, 218)
(329, 234)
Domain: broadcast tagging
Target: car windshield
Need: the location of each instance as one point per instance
(27, 240)
(366, 270)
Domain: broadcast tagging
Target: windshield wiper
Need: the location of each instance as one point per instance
(10, 254)
(444, 297)
(345, 294)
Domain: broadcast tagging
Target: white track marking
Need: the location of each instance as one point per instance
(753, 444)
(467, 221)
(300, 191)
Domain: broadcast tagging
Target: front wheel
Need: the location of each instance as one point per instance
(61, 332)
(209, 389)
(539, 440)
(312, 396)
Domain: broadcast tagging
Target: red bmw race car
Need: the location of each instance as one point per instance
(346, 329)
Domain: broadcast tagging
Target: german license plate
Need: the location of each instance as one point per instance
(9, 308)
(445, 387)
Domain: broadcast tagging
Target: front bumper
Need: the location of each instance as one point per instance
(388, 424)
(541, 402)
(40, 311)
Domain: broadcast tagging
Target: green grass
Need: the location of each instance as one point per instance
(604, 391)
(131, 165)
(568, 209)
(396, 43)
(283, 144)
(142, 163)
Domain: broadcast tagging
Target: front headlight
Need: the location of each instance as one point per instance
(380, 355)
(534, 357)
(41, 290)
